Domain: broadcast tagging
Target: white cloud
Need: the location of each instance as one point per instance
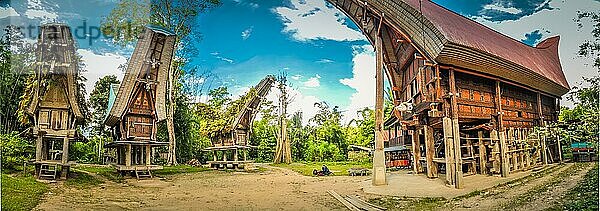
(497, 6)
(35, 10)
(99, 65)
(6, 12)
(307, 21)
(246, 33)
(325, 61)
(363, 81)
(296, 77)
(556, 22)
(218, 56)
(313, 82)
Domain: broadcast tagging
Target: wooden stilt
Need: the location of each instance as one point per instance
(432, 171)
(494, 135)
(449, 150)
(416, 151)
(379, 177)
(128, 155)
(148, 155)
(482, 153)
(38, 148)
(457, 154)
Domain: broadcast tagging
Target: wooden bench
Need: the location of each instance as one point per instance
(358, 172)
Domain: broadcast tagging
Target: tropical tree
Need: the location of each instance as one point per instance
(99, 103)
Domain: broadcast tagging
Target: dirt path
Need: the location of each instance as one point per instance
(212, 190)
(538, 191)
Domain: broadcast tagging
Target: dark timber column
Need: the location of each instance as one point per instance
(65, 153)
(449, 152)
(456, 133)
(501, 133)
(542, 139)
(482, 153)
(378, 155)
(432, 171)
(416, 145)
(38, 148)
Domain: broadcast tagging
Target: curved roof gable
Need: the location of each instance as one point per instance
(542, 59)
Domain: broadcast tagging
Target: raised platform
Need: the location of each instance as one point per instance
(136, 167)
(55, 162)
(136, 142)
(229, 147)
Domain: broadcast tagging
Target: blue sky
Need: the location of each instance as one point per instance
(326, 58)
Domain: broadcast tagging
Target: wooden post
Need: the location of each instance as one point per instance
(128, 155)
(432, 171)
(38, 148)
(65, 153)
(416, 145)
(494, 135)
(449, 152)
(544, 151)
(235, 155)
(501, 133)
(482, 153)
(455, 132)
(379, 177)
(560, 159)
(148, 155)
(457, 154)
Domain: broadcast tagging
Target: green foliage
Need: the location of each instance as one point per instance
(21, 193)
(15, 68)
(581, 122)
(590, 48)
(99, 103)
(15, 150)
(90, 151)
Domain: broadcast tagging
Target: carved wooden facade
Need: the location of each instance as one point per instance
(54, 104)
(138, 103)
(467, 97)
(234, 138)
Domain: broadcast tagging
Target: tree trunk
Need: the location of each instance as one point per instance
(172, 157)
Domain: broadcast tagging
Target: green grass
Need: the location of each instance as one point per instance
(179, 169)
(82, 180)
(405, 203)
(339, 168)
(584, 196)
(21, 193)
(106, 172)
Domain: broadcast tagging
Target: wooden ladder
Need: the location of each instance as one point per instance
(143, 172)
(48, 171)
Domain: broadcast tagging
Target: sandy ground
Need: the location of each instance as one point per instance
(212, 190)
(282, 189)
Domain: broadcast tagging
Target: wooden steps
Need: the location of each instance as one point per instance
(143, 172)
(48, 171)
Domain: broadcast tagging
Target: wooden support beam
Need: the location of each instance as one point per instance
(432, 171)
(455, 131)
(38, 148)
(65, 151)
(148, 155)
(482, 153)
(379, 177)
(128, 155)
(449, 150)
(504, 169)
(416, 146)
(494, 135)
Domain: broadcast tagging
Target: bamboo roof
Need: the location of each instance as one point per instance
(56, 62)
(140, 61)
